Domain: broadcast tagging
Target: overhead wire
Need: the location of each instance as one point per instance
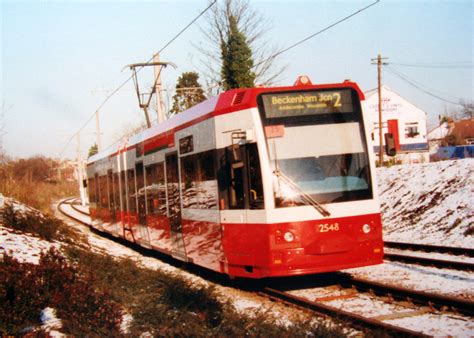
(419, 87)
(137, 70)
(315, 34)
(448, 65)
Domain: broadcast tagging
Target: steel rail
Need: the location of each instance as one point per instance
(425, 261)
(79, 210)
(355, 320)
(430, 248)
(69, 215)
(460, 305)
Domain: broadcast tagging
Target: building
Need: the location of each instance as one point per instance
(452, 139)
(405, 121)
(63, 170)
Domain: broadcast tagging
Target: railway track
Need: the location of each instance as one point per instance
(413, 303)
(438, 263)
(357, 321)
(430, 248)
(421, 302)
(65, 213)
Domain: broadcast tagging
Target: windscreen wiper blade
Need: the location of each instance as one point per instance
(304, 196)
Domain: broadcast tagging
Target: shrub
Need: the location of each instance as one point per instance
(26, 289)
(21, 304)
(46, 227)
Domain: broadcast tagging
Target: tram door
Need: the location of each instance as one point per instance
(174, 206)
(141, 198)
(140, 193)
(110, 184)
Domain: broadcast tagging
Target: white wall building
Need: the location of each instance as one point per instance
(404, 120)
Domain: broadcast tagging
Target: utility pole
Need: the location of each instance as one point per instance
(160, 107)
(97, 122)
(379, 80)
(80, 178)
(97, 131)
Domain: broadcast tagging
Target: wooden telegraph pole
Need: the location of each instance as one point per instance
(80, 176)
(379, 64)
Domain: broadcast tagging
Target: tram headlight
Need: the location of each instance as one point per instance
(366, 228)
(289, 237)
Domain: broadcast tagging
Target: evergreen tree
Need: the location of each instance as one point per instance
(188, 92)
(94, 149)
(237, 59)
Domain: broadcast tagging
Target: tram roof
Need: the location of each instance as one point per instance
(227, 102)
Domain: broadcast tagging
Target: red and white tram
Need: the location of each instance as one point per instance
(256, 182)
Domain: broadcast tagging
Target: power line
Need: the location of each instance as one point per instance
(455, 65)
(315, 34)
(138, 70)
(414, 84)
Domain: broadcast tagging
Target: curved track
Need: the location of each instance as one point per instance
(68, 201)
(433, 301)
(430, 248)
(408, 303)
(438, 263)
(355, 320)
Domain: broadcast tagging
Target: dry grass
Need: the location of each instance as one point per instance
(38, 195)
(27, 181)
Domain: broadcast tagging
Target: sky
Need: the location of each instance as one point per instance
(60, 59)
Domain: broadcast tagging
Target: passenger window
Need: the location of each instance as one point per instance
(199, 181)
(132, 196)
(156, 189)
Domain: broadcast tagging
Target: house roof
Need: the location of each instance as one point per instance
(439, 132)
(464, 128)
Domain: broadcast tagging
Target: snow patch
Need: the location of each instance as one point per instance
(430, 203)
(51, 323)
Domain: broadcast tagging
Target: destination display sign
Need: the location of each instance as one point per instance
(279, 105)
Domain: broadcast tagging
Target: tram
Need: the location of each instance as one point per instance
(256, 182)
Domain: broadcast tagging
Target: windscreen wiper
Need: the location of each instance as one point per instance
(304, 196)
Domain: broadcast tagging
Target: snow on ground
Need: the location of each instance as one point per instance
(24, 247)
(421, 278)
(429, 203)
(436, 324)
(425, 203)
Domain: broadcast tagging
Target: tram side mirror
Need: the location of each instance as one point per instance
(390, 148)
(235, 156)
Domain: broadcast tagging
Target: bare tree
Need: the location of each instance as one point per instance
(250, 23)
(3, 111)
(467, 110)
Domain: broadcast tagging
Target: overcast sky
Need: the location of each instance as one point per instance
(59, 59)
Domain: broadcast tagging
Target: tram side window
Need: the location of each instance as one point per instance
(156, 189)
(123, 191)
(207, 180)
(104, 198)
(132, 196)
(198, 173)
(188, 177)
(116, 191)
(110, 187)
(92, 195)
